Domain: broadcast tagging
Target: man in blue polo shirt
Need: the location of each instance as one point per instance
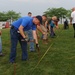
(17, 34)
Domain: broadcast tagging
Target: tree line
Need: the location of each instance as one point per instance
(4, 16)
(59, 12)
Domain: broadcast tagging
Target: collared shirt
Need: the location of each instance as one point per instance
(26, 22)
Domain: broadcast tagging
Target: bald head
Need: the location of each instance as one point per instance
(54, 18)
(73, 9)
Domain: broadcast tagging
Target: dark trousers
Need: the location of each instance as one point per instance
(74, 29)
(15, 37)
(66, 26)
(52, 31)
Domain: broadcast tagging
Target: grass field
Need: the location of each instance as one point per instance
(60, 59)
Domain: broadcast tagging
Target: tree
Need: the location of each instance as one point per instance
(68, 13)
(59, 12)
(4, 16)
(13, 14)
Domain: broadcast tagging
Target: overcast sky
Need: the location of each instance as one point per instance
(37, 7)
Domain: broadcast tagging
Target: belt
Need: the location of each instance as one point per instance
(12, 27)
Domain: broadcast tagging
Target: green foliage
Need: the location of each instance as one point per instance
(59, 12)
(4, 16)
(13, 14)
(68, 13)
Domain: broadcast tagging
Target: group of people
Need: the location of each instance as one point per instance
(26, 29)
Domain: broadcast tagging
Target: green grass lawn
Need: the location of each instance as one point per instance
(60, 59)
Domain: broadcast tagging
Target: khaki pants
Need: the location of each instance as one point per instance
(45, 30)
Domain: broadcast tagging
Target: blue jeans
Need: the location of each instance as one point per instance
(30, 35)
(15, 37)
(0, 45)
